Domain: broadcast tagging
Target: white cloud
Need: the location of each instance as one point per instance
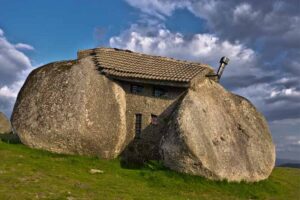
(14, 68)
(285, 92)
(158, 8)
(292, 139)
(287, 122)
(12, 62)
(8, 92)
(205, 48)
(242, 11)
(22, 46)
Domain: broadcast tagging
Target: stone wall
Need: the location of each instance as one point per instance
(147, 146)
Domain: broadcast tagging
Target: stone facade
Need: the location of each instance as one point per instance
(146, 145)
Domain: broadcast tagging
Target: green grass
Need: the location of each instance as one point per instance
(33, 174)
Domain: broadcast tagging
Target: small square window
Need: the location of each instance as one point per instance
(159, 92)
(154, 119)
(135, 89)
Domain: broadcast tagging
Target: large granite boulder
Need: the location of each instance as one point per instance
(218, 135)
(69, 107)
(5, 126)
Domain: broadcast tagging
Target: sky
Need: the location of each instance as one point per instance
(261, 38)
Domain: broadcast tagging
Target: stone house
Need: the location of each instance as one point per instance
(111, 102)
(153, 87)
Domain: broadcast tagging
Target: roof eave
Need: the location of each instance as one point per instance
(181, 84)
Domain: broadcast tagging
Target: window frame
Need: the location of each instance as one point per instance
(161, 92)
(154, 119)
(139, 89)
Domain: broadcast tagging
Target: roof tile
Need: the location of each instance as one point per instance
(129, 64)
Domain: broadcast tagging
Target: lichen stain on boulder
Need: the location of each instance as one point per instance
(68, 107)
(218, 135)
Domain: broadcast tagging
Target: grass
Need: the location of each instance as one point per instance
(33, 174)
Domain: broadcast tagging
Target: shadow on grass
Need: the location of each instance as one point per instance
(10, 138)
(148, 165)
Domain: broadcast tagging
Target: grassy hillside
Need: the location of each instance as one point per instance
(34, 174)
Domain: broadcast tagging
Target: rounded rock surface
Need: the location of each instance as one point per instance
(69, 107)
(5, 126)
(218, 135)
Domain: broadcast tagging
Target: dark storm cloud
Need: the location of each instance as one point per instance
(286, 111)
(252, 19)
(232, 82)
(292, 63)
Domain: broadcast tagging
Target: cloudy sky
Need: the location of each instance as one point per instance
(262, 39)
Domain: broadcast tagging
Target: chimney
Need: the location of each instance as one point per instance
(223, 62)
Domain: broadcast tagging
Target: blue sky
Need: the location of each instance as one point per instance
(58, 30)
(260, 37)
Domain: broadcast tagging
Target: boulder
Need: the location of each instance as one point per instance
(5, 126)
(218, 135)
(69, 107)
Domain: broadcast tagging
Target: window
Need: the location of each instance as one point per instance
(136, 89)
(138, 125)
(154, 119)
(158, 92)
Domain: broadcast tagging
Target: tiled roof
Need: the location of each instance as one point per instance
(127, 64)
